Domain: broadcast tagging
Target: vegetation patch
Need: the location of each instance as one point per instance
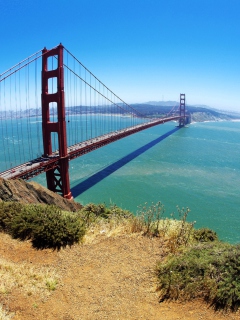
(4, 315)
(204, 235)
(100, 219)
(45, 226)
(197, 264)
(209, 270)
(26, 278)
(92, 213)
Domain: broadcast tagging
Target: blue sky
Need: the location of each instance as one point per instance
(142, 50)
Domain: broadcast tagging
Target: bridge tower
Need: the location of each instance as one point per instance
(57, 178)
(182, 110)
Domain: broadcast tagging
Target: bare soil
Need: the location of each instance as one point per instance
(109, 278)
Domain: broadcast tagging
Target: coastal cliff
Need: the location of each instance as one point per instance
(31, 192)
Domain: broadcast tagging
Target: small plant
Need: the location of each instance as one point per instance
(181, 231)
(51, 284)
(149, 218)
(205, 235)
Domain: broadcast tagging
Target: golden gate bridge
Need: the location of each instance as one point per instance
(65, 121)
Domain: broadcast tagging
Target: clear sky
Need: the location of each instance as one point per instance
(141, 49)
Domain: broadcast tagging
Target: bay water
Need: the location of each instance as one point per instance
(196, 167)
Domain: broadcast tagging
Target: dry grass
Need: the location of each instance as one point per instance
(108, 227)
(168, 229)
(5, 315)
(110, 278)
(30, 280)
(40, 281)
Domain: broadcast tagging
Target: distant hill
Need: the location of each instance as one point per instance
(199, 113)
(162, 103)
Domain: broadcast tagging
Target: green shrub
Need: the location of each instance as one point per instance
(24, 222)
(210, 270)
(58, 230)
(98, 210)
(92, 212)
(48, 227)
(7, 211)
(45, 226)
(205, 235)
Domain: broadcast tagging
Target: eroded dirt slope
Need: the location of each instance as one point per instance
(110, 278)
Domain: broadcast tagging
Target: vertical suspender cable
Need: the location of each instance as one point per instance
(6, 126)
(86, 105)
(27, 113)
(75, 106)
(2, 128)
(37, 108)
(81, 109)
(90, 102)
(66, 95)
(16, 119)
(21, 116)
(29, 106)
(12, 126)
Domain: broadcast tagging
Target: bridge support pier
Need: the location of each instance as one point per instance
(57, 178)
(182, 110)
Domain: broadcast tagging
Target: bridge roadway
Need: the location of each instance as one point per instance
(37, 166)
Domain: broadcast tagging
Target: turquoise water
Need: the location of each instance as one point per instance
(196, 167)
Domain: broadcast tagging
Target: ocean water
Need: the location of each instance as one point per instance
(196, 167)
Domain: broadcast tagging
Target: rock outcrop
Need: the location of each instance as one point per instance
(32, 192)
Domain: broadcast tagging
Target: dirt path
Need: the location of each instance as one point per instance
(111, 278)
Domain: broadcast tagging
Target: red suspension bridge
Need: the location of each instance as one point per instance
(74, 114)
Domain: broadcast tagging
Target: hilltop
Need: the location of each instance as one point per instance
(111, 275)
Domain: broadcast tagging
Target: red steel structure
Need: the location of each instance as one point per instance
(58, 176)
(182, 110)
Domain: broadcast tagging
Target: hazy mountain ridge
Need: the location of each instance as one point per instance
(198, 113)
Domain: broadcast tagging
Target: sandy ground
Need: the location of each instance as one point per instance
(110, 278)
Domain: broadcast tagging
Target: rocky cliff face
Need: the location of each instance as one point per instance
(32, 192)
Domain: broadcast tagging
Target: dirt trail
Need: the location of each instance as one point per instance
(111, 278)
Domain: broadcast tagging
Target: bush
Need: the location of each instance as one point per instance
(7, 211)
(92, 212)
(45, 226)
(211, 271)
(24, 222)
(58, 230)
(97, 210)
(205, 235)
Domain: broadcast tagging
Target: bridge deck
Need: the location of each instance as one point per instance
(37, 166)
